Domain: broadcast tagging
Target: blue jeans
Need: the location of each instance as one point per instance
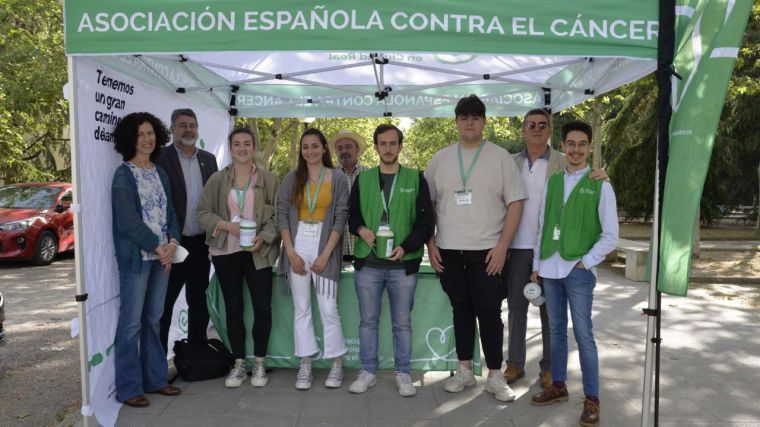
(139, 354)
(578, 290)
(370, 283)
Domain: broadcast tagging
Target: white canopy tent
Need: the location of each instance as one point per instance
(414, 58)
(357, 84)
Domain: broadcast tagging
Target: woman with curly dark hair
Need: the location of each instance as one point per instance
(145, 232)
(311, 211)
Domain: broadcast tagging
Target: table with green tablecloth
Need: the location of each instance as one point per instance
(433, 346)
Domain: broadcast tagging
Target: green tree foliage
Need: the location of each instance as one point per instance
(32, 74)
(428, 135)
(739, 128)
(630, 139)
(277, 138)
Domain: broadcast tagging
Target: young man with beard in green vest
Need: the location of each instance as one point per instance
(390, 209)
(578, 227)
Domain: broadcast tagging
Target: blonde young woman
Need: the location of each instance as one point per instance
(312, 207)
(243, 190)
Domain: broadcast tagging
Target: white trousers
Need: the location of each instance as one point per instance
(307, 247)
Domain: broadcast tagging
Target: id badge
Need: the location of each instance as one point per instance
(236, 219)
(463, 197)
(310, 229)
(555, 235)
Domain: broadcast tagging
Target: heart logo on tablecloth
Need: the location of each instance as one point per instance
(437, 337)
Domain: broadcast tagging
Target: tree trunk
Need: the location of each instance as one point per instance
(294, 150)
(757, 208)
(596, 123)
(697, 238)
(280, 127)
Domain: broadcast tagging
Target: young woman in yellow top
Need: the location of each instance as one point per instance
(311, 213)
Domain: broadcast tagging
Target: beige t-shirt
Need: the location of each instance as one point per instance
(495, 183)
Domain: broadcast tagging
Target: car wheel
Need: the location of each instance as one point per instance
(47, 249)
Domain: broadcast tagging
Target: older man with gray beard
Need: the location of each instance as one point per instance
(188, 168)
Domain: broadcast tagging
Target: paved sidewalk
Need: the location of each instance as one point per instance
(710, 366)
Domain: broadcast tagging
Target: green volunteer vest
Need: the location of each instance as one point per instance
(402, 210)
(578, 219)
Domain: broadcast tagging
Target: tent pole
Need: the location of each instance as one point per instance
(664, 73)
(646, 403)
(81, 296)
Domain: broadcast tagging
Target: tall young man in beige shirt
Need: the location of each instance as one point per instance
(478, 196)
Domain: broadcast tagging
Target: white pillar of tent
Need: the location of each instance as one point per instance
(646, 400)
(84, 355)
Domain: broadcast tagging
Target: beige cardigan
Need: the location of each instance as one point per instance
(213, 207)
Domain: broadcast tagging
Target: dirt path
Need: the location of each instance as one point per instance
(39, 364)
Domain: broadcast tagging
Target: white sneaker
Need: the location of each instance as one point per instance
(404, 385)
(304, 377)
(363, 382)
(497, 385)
(237, 374)
(259, 378)
(463, 378)
(335, 377)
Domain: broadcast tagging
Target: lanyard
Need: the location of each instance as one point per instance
(390, 198)
(466, 176)
(240, 193)
(312, 202)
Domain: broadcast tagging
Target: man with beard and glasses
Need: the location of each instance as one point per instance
(348, 146)
(188, 168)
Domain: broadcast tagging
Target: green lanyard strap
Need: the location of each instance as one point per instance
(240, 193)
(390, 198)
(312, 202)
(466, 176)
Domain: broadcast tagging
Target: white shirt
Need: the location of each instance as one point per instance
(534, 179)
(555, 267)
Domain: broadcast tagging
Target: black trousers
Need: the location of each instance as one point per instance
(474, 294)
(231, 270)
(193, 274)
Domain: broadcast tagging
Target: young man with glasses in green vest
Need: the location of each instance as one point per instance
(578, 227)
(536, 163)
(390, 210)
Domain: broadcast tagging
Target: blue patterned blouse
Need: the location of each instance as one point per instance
(154, 204)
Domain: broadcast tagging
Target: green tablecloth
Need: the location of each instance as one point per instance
(433, 346)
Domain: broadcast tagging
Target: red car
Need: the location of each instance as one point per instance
(36, 221)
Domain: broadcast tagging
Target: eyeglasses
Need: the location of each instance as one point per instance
(577, 144)
(540, 125)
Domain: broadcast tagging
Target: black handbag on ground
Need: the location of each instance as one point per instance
(199, 361)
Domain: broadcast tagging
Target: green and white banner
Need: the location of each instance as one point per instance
(707, 43)
(102, 97)
(433, 345)
(541, 27)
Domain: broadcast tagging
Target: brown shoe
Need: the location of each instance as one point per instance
(545, 379)
(137, 401)
(590, 415)
(550, 395)
(169, 390)
(513, 373)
